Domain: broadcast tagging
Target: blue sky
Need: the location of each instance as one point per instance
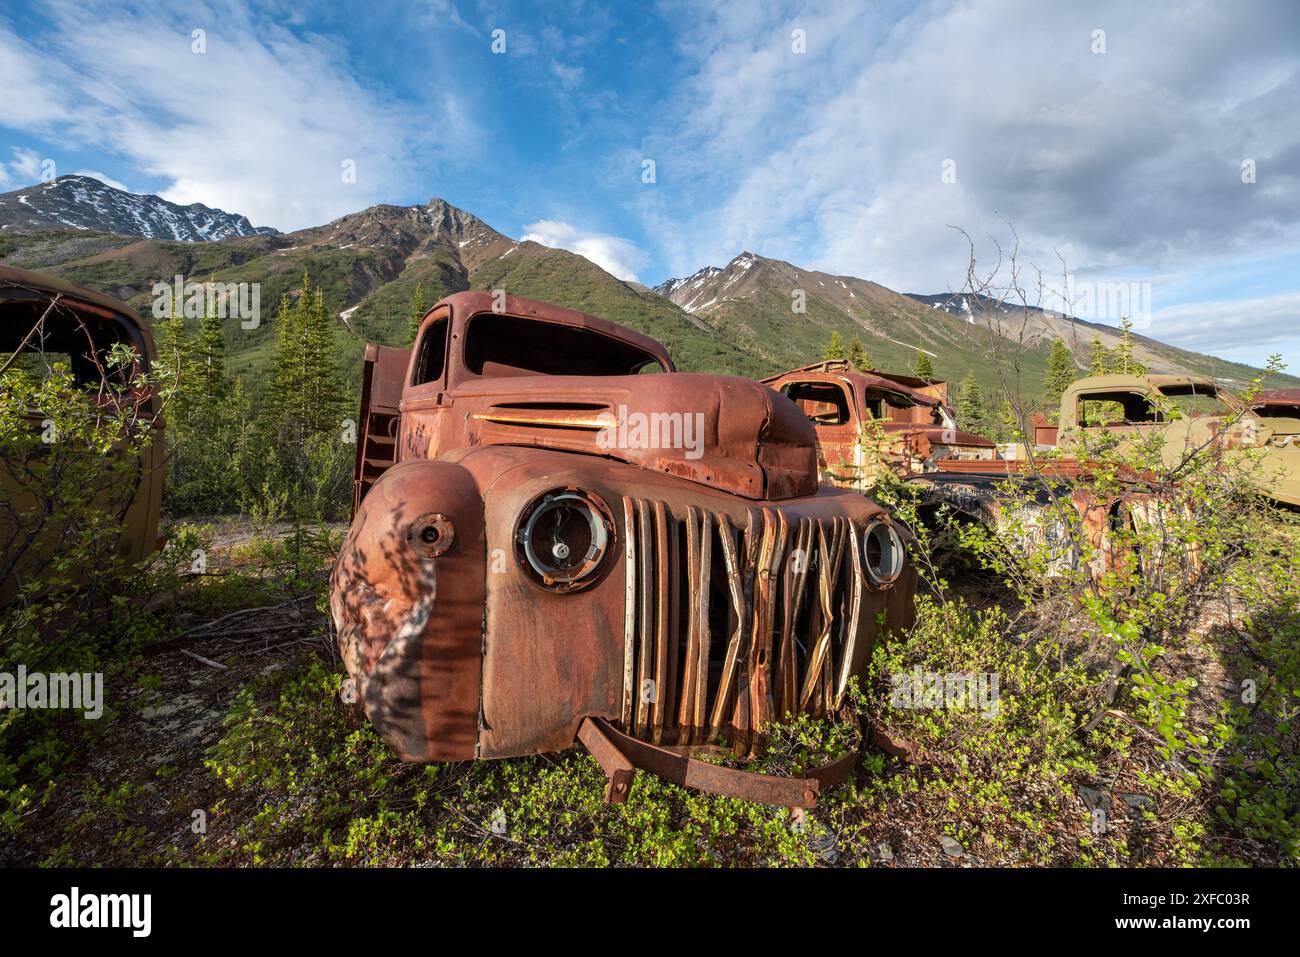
(842, 137)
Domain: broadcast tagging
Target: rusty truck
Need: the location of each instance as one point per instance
(917, 426)
(559, 538)
(868, 421)
(48, 323)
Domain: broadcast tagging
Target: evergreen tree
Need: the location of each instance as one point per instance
(173, 352)
(210, 385)
(836, 348)
(1010, 424)
(322, 387)
(283, 390)
(859, 357)
(1099, 358)
(1125, 358)
(922, 367)
(298, 451)
(305, 393)
(418, 309)
(972, 408)
(1060, 373)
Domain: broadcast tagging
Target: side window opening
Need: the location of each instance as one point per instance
(432, 353)
(79, 343)
(1194, 401)
(824, 403)
(1116, 409)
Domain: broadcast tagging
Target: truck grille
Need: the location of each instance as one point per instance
(728, 628)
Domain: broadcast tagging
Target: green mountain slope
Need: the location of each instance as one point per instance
(369, 265)
(743, 319)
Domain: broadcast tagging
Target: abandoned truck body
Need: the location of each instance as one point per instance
(917, 429)
(954, 469)
(529, 564)
(1186, 413)
(1277, 404)
(46, 322)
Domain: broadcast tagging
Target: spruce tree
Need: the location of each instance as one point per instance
(418, 309)
(304, 390)
(972, 412)
(1125, 356)
(210, 385)
(322, 389)
(836, 348)
(1099, 357)
(283, 408)
(1060, 373)
(859, 357)
(922, 367)
(173, 354)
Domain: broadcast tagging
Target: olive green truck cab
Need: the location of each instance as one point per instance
(1186, 413)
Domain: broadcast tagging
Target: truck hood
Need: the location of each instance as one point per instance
(725, 432)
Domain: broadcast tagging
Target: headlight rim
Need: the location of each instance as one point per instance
(898, 545)
(593, 569)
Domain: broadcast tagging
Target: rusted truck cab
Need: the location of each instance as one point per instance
(861, 417)
(554, 527)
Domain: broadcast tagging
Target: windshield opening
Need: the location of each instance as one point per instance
(502, 345)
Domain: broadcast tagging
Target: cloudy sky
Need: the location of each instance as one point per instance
(1139, 143)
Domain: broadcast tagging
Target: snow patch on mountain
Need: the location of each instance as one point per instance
(83, 202)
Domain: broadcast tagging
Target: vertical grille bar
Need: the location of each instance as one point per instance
(731, 660)
(645, 618)
(690, 666)
(663, 561)
(700, 597)
(855, 626)
(629, 611)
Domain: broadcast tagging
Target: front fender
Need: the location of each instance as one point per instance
(407, 605)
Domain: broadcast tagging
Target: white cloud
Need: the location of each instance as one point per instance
(617, 256)
(1126, 163)
(260, 124)
(104, 178)
(1236, 328)
(26, 165)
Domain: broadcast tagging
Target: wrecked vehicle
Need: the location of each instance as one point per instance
(529, 565)
(47, 324)
(1187, 413)
(917, 430)
(1277, 404)
(869, 421)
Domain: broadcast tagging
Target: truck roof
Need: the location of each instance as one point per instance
(14, 278)
(1148, 381)
(907, 387)
(466, 305)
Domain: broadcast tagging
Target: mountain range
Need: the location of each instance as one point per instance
(83, 202)
(740, 318)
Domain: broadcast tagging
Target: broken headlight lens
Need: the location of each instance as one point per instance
(563, 537)
(883, 551)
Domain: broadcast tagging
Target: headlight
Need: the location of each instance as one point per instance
(563, 537)
(884, 551)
